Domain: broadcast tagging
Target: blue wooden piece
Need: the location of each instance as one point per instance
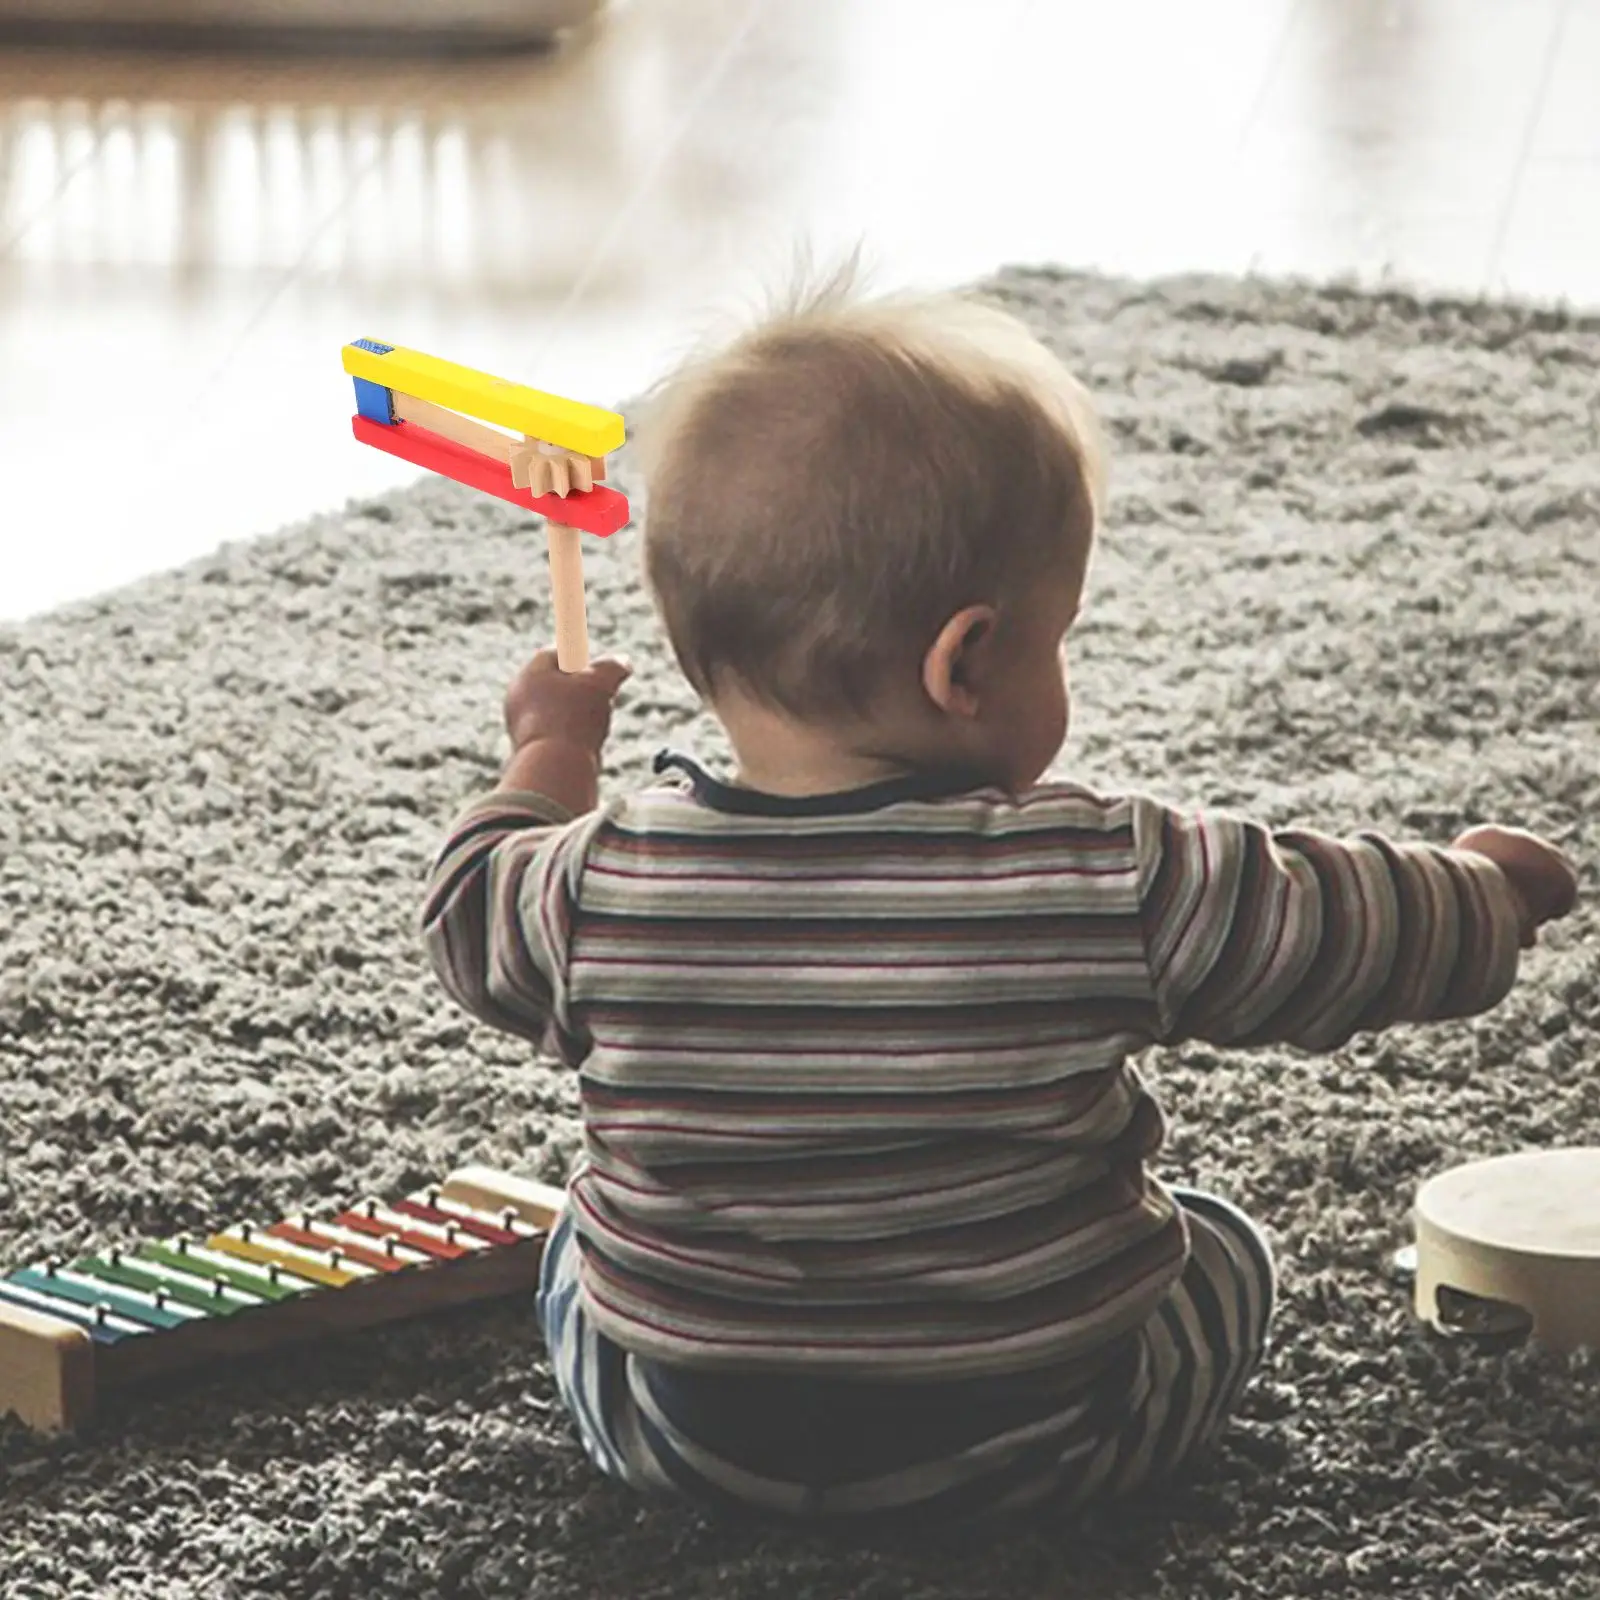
(372, 399)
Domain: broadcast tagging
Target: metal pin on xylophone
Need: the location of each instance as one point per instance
(73, 1331)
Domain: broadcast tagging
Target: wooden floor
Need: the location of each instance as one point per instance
(185, 243)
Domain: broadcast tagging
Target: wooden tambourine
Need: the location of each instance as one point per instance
(1509, 1248)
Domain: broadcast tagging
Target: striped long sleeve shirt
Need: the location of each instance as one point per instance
(857, 1072)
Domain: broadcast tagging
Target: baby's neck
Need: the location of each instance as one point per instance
(777, 755)
(794, 770)
(795, 782)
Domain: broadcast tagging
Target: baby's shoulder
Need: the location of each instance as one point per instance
(1074, 803)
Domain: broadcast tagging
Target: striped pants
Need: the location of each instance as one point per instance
(791, 1448)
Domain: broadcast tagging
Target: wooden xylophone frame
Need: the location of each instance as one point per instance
(57, 1362)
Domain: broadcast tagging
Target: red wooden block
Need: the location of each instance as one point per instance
(599, 510)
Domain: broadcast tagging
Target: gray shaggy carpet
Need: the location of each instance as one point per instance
(1350, 577)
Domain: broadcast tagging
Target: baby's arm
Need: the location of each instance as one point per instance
(498, 905)
(500, 899)
(1297, 937)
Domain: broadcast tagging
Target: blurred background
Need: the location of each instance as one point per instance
(566, 192)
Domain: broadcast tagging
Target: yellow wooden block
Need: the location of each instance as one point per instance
(588, 430)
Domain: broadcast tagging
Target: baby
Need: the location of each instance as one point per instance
(866, 1222)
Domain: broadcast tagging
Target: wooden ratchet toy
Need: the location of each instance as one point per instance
(436, 415)
(73, 1330)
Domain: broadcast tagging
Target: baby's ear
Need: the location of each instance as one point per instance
(952, 668)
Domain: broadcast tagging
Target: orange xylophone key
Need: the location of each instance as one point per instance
(309, 1239)
(432, 1244)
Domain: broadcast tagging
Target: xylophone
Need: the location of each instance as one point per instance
(71, 1331)
(435, 414)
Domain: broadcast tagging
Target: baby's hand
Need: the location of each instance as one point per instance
(1540, 876)
(573, 708)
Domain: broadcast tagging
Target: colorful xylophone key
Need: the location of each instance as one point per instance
(70, 1330)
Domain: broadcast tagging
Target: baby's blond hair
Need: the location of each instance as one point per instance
(828, 489)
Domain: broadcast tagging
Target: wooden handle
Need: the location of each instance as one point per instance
(566, 588)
